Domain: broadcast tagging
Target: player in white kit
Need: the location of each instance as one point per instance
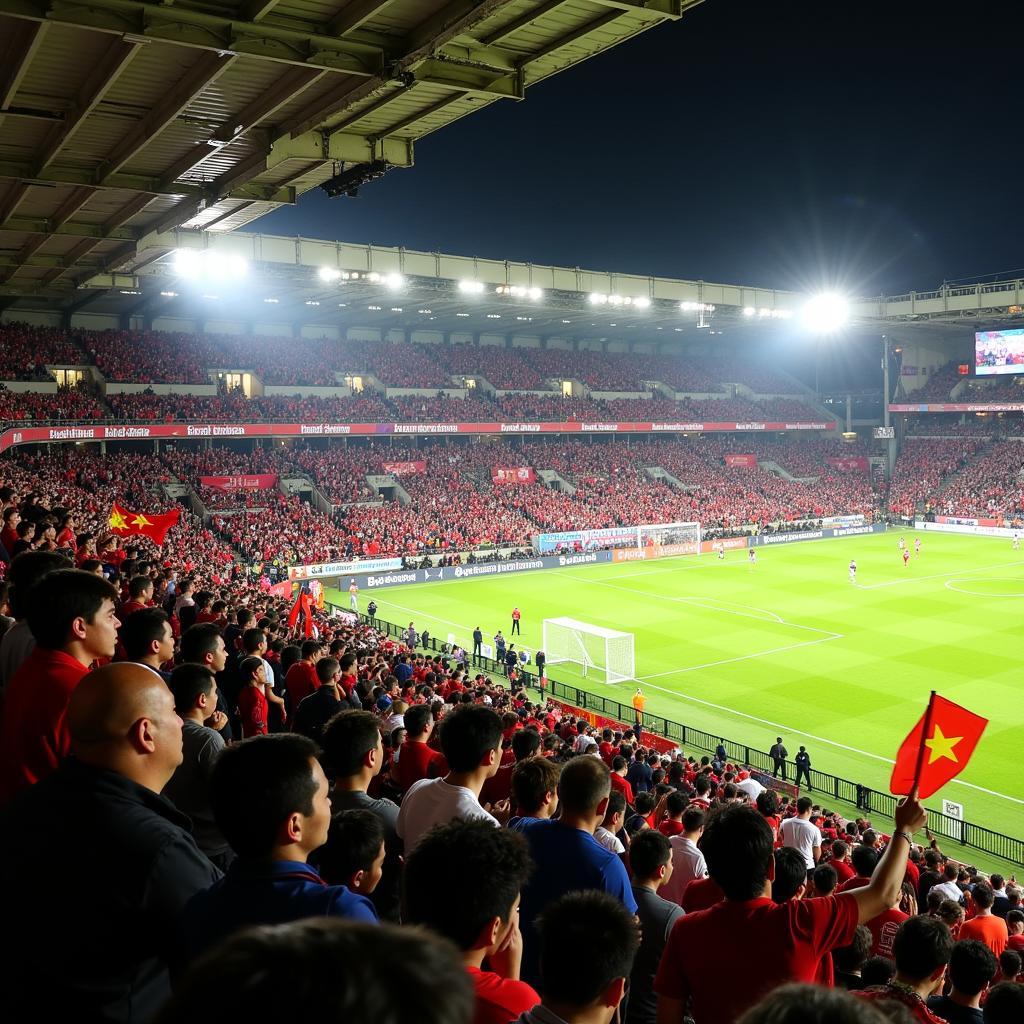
(1016, 542)
(917, 545)
(903, 544)
(853, 571)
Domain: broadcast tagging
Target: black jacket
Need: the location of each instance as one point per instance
(96, 870)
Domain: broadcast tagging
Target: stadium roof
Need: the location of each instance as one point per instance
(119, 118)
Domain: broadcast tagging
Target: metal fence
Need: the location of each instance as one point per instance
(867, 800)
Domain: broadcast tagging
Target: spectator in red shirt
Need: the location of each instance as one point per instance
(1015, 929)
(302, 679)
(252, 702)
(619, 781)
(71, 616)
(922, 949)
(416, 759)
(675, 804)
(985, 926)
(140, 595)
(840, 860)
(484, 868)
(791, 937)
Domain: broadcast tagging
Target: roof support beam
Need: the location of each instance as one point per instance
(355, 14)
(306, 46)
(420, 114)
(13, 196)
(45, 225)
(191, 84)
(575, 36)
(521, 22)
(103, 75)
(291, 82)
(22, 44)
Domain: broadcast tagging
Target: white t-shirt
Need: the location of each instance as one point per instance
(431, 802)
(609, 840)
(751, 787)
(800, 834)
(949, 890)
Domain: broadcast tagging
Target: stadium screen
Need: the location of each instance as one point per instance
(998, 352)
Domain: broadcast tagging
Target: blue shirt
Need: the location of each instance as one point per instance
(639, 775)
(403, 672)
(567, 860)
(273, 892)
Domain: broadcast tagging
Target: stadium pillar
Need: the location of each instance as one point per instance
(849, 413)
(890, 444)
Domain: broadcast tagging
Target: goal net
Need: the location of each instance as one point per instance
(607, 652)
(667, 539)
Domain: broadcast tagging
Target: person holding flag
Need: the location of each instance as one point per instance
(125, 523)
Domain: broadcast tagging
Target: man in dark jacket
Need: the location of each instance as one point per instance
(778, 753)
(95, 887)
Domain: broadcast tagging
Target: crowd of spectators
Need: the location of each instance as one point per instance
(74, 404)
(990, 485)
(922, 466)
(27, 350)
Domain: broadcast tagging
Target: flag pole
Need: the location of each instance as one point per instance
(924, 736)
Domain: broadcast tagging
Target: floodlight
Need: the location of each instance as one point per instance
(749, 311)
(826, 313)
(394, 282)
(641, 302)
(187, 263)
(598, 298)
(329, 274)
(536, 294)
(471, 287)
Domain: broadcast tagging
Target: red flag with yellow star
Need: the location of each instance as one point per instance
(152, 525)
(937, 748)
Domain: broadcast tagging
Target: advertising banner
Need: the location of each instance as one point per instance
(247, 482)
(983, 531)
(513, 475)
(654, 551)
(183, 431)
(729, 543)
(849, 463)
(319, 569)
(965, 521)
(649, 739)
(741, 461)
(584, 539)
(958, 407)
(405, 468)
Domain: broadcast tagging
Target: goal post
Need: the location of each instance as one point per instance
(608, 651)
(663, 540)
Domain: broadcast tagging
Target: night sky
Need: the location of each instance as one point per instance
(872, 146)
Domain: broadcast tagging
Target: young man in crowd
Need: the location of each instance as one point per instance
(672, 825)
(72, 619)
(354, 852)
(972, 966)
(202, 644)
(269, 797)
(588, 944)
(416, 758)
(134, 865)
(140, 596)
(302, 679)
(791, 937)
(353, 755)
(922, 949)
(985, 926)
(801, 834)
(484, 868)
(194, 688)
(534, 791)
(313, 714)
(688, 863)
(650, 860)
(147, 639)
(471, 741)
(567, 855)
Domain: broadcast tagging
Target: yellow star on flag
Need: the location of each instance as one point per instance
(118, 521)
(940, 746)
(141, 520)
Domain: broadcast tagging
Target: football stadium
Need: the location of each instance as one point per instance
(527, 630)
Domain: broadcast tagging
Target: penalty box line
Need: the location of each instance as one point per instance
(936, 576)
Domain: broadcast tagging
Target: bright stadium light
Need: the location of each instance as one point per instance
(471, 287)
(749, 311)
(207, 265)
(826, 313)
(598, 299)
(394, 282)
(641, 302)
(329, 274)
(188, 263)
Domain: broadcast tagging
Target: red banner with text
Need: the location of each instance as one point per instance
(182, 431)
(649, 739)
(404, 468)
(513, 475)
(242, 482)
(742, 461)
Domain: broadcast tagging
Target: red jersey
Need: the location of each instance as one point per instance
(791, 938)
(252, 709)
(417, 761)
(843, 870)
(300, 682)
(670, 827)
(898, 994)
(621, 783)
(499, 1000)
(883, 931)
(34, 735)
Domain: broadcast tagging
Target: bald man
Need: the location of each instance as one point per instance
(97, 865)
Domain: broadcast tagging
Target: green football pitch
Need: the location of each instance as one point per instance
(791, 647)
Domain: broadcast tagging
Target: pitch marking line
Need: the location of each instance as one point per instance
(952, 585)
(935, 576)
(707, 602)
(742, 657)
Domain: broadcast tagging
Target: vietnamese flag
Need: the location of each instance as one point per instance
(937, 748)
(154, 526)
